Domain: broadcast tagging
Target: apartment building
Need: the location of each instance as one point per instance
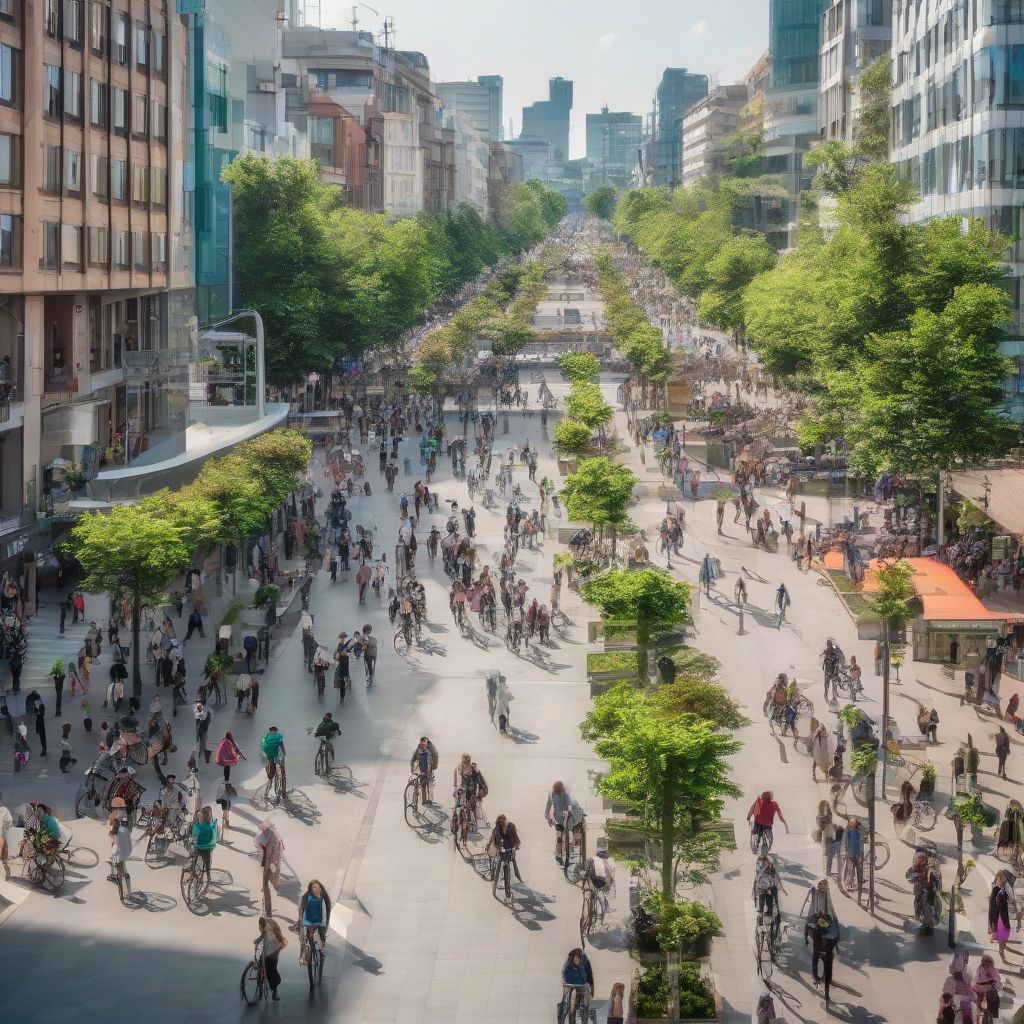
(677, 91)
(472, 162)
(958, 126)
(706, 128)
(613, 144)
(854, 33)
(479, 101)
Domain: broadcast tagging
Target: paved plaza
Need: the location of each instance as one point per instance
(416, 936)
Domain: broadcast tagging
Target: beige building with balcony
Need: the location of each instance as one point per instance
(707, 126)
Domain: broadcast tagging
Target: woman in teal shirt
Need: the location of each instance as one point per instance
(204, 837)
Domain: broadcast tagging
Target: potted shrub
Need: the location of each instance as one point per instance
(927, 788)
(652, 995)
(267, 596)
(57, 670)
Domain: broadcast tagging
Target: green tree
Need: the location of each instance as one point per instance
(673, 775)
(276, 459)
(892, 602)
(649, 597)
(601, 202)
(576, 366)
(731, 270)
(585, 402)
(599, 493)
(572, 438)
(133, 555)
(874, 113)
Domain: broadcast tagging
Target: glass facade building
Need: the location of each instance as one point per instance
(958, 127)
(678, 91)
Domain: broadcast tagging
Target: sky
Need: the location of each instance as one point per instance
(613, 50)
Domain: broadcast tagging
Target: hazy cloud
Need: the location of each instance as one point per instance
(699, 29)
(606, 42)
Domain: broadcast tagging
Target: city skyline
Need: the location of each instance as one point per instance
(608, 60)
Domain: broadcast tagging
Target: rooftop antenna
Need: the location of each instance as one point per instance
(355, 17)
(389, 32)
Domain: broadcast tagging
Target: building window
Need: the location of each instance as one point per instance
(71, 245)
(10, 160)
(98, 177)
(51, 169)
(321, 140)
(120, 249)
(10, 242)
(72, 171)
(159, 121)
(51, 90)
(159, 52)
(122, 30)
(119, 180)
(99, 105)
(140, 250)
(158, 186)
(7, 9)
(8, 75)
(73, 22)
(99, 15)
(140, 184)
(72, 95)
(51, 18)
(50, 257)
(119, 117)
(140, 117)
(141, 46)
(159, 242)
(99, 255)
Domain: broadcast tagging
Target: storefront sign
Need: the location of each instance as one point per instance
(966, 626)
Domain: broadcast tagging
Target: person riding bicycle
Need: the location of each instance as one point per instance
(120, 849)
(204, 838)
(765, 892)
(503, 843)
(562, 811)
(599, 873)
(328, 729)
(763, 811)
(577, 973)
(169, 807)
(272, 746)
(831, 659)
(469, 780)
(314, 912)
(424, 763)
(48, 828)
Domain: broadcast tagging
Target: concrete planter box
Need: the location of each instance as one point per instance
(567, 466)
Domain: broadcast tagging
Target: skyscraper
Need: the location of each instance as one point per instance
(613, 139)
(678, 91)
(479, 102)
(549, 119)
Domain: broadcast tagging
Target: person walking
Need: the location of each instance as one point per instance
(369, 653)
(825, 941)
(203, 717)
(999, 900)
(274, 940)
(17, 664)
(228, 755)
(40, 710)
(720, 515)
(824, 831)
(1002, 751)
(782, 602)
(821, 750)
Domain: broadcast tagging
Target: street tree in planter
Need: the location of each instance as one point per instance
(650, 598)
(276, 459)
(586, 403)
(599, 493)
(572, 437)
(576, 366)
(134, 555)
(967, 811)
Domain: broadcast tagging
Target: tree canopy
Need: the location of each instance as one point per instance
(599, 493)
(601, 202)
(329, 280)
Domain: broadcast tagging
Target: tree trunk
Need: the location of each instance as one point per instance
(614, 534)
(642, 643)
(668, 834)
(136, 631)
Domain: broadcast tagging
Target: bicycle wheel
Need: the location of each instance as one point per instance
(925, 817)
(250, 988)
(401, 643)
(860, 787)
(320, 763)
(586, 918)
(882, 853)
(765, 963)
(85, 801)
(412, 803)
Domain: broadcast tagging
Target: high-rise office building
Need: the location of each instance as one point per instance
(613, 138)
(678, 90)
(854, 34)
(958, 128)
(549, 119)
(479, 102)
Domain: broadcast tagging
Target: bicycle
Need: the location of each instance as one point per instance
(314, 950)
(501, 866)
(417, 792)
(764, 952)
(593, 912)
(275, 790)
(573, 1009)
(403, 639)
(122, 879)
(253, 986)
(568, 840)
(761, 841)
(43, 864)
(323, 761)
(460, 819)
(193, 882)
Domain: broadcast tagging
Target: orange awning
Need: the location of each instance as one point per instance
(946, 596)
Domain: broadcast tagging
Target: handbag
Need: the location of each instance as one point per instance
(816, 835)
(250, 708)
